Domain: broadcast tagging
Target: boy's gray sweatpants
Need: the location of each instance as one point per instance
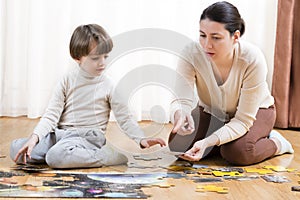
(80, 148)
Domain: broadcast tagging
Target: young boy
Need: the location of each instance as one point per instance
(71, 133)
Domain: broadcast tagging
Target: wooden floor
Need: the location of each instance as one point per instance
(12, 128)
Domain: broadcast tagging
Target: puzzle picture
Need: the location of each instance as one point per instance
(96, 185)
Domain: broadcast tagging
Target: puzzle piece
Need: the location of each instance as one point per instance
(146, 157)
(136, 165)
(279, 168)
(163, 185)
(231, 169)
(198, 166)
(179, 168)
(31, 168)
(258, 170)
(295, 188)
(212, 188)
(275, 178)
(204, 180)
(231, 174)
(241, 178)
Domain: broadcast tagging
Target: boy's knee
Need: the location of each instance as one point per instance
(110, 156)
(236, 155)
(55, 158)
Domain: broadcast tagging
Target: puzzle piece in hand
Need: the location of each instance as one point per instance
(257, 170)
(212, 188)
(146, 157)
(275, 178)
(279, 168)
(231, 174)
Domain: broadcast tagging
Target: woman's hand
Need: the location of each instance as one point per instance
(27, 148)
(148, 142)
(183, 123)
(199, 147)
(196, 152)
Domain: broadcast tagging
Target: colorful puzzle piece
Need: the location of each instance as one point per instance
(275, 178)
(179, 168)
(258, 170)
(212, 188)
(163, 185)
(220, 174)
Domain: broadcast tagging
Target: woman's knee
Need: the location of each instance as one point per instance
(237, 155)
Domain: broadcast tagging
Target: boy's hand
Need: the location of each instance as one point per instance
(27, 148)
(148, 142)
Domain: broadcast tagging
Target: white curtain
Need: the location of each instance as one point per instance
(35, 36)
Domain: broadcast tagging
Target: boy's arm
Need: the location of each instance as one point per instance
(55, 107)
(125, 119)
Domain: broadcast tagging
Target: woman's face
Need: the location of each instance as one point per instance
(216, 40)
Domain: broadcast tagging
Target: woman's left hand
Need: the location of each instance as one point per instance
(148, 142)
(196, 152)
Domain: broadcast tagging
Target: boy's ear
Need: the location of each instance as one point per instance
(77, 60)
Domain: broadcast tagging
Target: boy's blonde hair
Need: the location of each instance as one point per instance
(87, 37)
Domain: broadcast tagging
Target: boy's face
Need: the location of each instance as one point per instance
(94, 63)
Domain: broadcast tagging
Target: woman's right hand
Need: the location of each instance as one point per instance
(183, 123)
(27, 148)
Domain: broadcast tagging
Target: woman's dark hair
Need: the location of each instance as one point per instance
(87, 37)
(227, 14)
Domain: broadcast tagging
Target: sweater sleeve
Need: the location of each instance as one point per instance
(118, 103)
(55, 107)
(184, 86)
(252, 94)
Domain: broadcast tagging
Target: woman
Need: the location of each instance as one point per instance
(235, 112)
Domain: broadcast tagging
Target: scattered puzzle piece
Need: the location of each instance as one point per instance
(163, 185)
(146, 157)
(212, 188)
(279, 168)
(2, 156)
(275, 178)
(231, 174)
(231, 169)
(204, 180)
(179, 168)
(295, 188)
(241, 178)
(258, 170)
